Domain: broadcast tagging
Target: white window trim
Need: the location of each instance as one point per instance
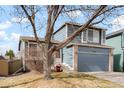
(93, 36)
(97, 37)
(82, 40)
(88, 36)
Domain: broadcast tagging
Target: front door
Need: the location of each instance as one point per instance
(57, 57)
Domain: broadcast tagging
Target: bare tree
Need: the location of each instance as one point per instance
(95, 15)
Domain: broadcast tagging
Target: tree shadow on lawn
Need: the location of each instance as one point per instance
(81, 80)
(72, 84)
(63, 75)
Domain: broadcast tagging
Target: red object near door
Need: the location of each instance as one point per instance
(58, 68)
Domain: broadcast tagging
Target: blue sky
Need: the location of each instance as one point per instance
(10, 31)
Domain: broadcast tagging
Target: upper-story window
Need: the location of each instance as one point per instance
(103, 39)
(90, 36)
(84, 36)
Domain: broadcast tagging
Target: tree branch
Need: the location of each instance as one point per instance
(53, 15)
(82, 28)
(56, 17)
(31, 19)
(98, 21)
(114, 7)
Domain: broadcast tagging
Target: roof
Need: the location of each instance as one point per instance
(90, 45)
(2, 58)
(77, 24)
(113, 34)
(28, 38)
(32, 39)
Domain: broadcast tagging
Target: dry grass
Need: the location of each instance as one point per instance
(20, 79)
(61, 80)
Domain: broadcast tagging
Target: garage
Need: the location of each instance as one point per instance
(91, 59)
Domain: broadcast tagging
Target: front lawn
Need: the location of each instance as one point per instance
(61, 80)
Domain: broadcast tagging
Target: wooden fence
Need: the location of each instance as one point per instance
(9, 67)
(4, 67)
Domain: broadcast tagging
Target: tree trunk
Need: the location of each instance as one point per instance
(47, 60)
(47, 67)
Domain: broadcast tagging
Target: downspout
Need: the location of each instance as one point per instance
(122, 46)
(123, 60)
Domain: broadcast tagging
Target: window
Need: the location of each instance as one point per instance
(96, 35)
(104, 37)
(84, 36)
(33, 50)
(90, 35)
(93, 36)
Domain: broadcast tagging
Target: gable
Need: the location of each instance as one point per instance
(61, 35)
(68, 28)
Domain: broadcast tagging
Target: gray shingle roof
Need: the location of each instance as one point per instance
(91, 45)
(115, 33)
(29, 38)
(77, 24)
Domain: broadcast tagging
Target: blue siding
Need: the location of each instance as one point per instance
(68, 56)
(67, 31)
(67, 52)
(71, 29)
(61, 35)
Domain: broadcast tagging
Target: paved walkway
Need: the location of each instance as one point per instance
(117, 77)
(2, 78)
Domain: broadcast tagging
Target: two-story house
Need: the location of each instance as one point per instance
(87, 52)
(116, 40)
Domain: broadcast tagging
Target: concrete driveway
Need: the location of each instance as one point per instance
(117, 77)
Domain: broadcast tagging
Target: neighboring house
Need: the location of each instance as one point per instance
(87, 52)
(116, 40)
(1, 57)
(29, 50)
